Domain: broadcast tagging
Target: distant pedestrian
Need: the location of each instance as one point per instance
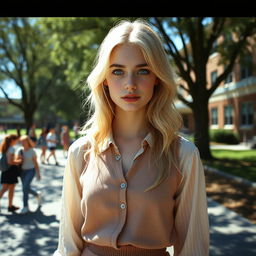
(76, 130)
(29, 169)
(42, 143)
(51, 139)
(65, 140)
(32, 134)
(9, 178)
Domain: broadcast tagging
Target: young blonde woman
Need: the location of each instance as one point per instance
(132, 186)
(30, 168)
(9, 178)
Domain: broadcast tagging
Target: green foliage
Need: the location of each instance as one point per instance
(75, 41)
(24, 59)
(224, 136)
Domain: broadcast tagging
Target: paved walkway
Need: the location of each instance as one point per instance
(36, 234)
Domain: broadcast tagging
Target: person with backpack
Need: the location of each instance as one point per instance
(9, 176)
(132, 185)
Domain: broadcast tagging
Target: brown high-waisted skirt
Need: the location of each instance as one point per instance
(95, 250)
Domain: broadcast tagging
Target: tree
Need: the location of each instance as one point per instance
(61, 102)
(24, 60)
(198, 36)
(75, 41)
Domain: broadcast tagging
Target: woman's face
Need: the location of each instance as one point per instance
(24, 143)
(129, 79)
(14, 142)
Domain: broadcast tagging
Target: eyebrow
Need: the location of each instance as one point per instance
(123, 66)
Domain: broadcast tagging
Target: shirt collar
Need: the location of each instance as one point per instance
(148, 140)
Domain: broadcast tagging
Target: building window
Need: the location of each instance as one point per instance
(247, 113)
(213, 77)
(246, 66)
(214, 116)
(228, 115)
(229, 78)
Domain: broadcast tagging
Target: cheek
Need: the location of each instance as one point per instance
(113, 87)
(114, 90)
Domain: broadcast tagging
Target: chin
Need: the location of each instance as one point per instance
(131, 109)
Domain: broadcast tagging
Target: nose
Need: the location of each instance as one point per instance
(130, 84)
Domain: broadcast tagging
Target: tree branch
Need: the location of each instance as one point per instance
(218, 24)
(174, 53)
(249, 30)
(10, 100)
(186, 102)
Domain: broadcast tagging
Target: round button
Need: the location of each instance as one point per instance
(122, 185)
(122, 206)
(118, 157)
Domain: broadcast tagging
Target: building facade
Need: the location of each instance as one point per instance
(233, 104)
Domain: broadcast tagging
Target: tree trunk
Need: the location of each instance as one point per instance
(29, 119)
(202, 140)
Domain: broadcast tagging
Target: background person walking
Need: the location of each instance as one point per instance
(51, 139)
(29, 168)
(9, 178)
(65, 140)
(32, 134)
(43, 144)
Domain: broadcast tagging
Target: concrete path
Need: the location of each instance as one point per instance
(36, 234)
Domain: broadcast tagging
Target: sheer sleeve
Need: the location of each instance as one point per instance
(70, 239)
(191, 217)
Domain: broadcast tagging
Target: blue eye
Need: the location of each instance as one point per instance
(143, 72)
(117, 72)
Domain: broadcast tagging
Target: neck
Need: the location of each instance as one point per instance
(26, 148)
(130, 125)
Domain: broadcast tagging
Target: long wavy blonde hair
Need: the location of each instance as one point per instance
(161, 114)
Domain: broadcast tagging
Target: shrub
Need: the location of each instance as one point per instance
(224, 136)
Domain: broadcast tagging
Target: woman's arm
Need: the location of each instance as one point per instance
(12, 160)
(70, 240)
(191, 219)
(38, 174)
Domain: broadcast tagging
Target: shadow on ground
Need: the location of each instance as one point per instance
(31, 234)
(229, 233)
(35, 233)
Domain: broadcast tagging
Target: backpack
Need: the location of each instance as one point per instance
(3, 162)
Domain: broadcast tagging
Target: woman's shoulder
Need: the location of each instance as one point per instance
(186, 146)
(80, 144)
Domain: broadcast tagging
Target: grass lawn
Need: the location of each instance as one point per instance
(240, 163)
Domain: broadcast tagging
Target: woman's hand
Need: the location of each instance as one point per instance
(38, 175)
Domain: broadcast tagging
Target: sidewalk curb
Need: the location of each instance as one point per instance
(236, 178)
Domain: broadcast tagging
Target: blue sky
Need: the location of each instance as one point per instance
(12, 90)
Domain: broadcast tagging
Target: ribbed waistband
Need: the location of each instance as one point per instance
(126, 251)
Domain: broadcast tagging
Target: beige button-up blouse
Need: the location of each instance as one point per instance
(101, 205)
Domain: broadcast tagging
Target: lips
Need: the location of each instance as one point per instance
(131, 98)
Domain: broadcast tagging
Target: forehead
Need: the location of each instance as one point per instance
(127, 54)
